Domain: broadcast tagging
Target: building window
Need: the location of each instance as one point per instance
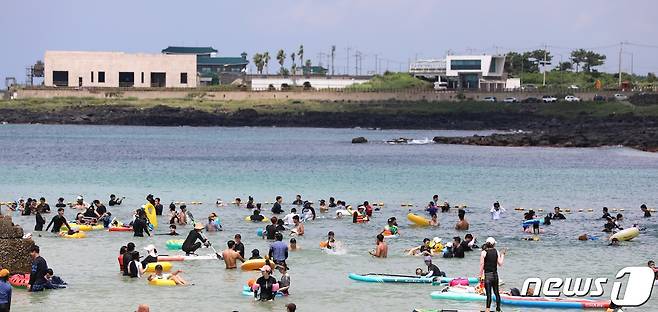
(183, 78)
(492, 67)
(101, 77)
(465, 65)
(61, 78)
(142, 77)
(92, 76)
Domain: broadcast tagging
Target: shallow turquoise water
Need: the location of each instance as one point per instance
(201, 164)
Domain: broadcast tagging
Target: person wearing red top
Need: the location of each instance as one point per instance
(122, 251)
(368, 208)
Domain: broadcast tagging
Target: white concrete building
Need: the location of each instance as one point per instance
(118, 69)
(476, 71)
(317, 83)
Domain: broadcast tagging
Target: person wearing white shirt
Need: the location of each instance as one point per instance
(287, 219)
(496, 211)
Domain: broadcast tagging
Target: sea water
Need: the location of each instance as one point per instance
(187, 164)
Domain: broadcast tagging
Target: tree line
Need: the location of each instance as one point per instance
(530, 61)
(262, 60)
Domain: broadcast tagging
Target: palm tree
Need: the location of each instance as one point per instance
(258, 61)
(294, 65)
(266, 61)
(301, 54)
(281, 57)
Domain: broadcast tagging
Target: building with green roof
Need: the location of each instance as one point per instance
(213, 69)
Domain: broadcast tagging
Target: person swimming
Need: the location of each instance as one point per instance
(160, 275)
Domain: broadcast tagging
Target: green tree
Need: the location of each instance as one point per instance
(266, 61)
(258, 61)
(300, 53)
(513, 62)
(593, 59)
(293, 67)
(565, 66)
(651, 77)
(281, 57)
(578, 57)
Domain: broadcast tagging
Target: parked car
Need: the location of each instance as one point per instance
(489, 99)
(571, 98)
(574, 87)
(548, 99)
(510, 100)
(620, 97)
(531, 100)
(598, 98)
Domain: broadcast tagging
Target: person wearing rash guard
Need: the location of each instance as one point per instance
(190, 245)
(332, 203)
(496, 211)
(646, 211)
(250, 203)
(38, 272)
(557, 214)
(263, 288)
(256, 216)
(115, 201)
(298, 200)
(308, 211)
(490, 260)
(276, 208)
(432, 269)
(606, 215)
(58, 221)
(431, 208)
(287, 219)
(60, 203)
(270, 230)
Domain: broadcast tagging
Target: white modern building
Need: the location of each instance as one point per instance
(118, 69)
(317, 83)
(476, 72)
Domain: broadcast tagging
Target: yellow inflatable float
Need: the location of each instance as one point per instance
(162, 282)
(74, 235)
(254, 264)
(248, 218)
(418, 220)
(627, 234)
(166, 266)
(150, 214)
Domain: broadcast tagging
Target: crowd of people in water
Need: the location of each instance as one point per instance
(132, 264)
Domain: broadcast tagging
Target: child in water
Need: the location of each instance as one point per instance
(160, 275)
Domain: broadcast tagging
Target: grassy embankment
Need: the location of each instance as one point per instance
(562, 109)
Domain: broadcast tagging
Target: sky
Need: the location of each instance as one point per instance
(393, 32)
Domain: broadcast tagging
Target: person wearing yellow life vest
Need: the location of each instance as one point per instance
(436, 247)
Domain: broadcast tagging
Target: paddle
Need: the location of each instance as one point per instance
(219, 257)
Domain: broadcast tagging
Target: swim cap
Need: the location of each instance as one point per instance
(491, 240)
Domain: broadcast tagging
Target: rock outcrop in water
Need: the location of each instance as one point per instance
(358, 140)
(14, 249)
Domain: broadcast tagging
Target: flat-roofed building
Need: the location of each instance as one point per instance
(119, 69)
(476, 72)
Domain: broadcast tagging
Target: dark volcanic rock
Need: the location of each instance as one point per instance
(359, 140)
(14, 250)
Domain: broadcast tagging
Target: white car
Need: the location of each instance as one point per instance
(549, 99)
(620, 97)
(489, 99)
(574, 87)
(510, 100)
(571, 98)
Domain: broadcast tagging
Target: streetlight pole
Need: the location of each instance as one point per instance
(544, 64)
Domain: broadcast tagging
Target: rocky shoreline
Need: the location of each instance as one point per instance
(537, 130)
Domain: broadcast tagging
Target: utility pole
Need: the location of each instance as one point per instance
(621, 46)
(356, 63)
(347, 67)
(544, 64)
(376, 65)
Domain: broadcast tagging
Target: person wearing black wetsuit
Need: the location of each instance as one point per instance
(606, 215)
(490, 259)
(457, 249)
(40, 221)
(140, 224)
(265, 283)
(127, 258)
(58, 221)
(271, 229)
(432, 269)
(190, 245)
(276, 208)
(646, 211)
(158, 207)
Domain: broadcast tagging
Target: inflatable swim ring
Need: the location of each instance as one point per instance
(120, 229)
(75, 235)
(246, 291)
(162, 282)
(19, 280)
(248, 219)
(323, 244)
(166, 266)
(418, 220)
(150, 214)
(174, 244)
(532, 221)
(627, 234)
(83, 227)
(254, 264)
